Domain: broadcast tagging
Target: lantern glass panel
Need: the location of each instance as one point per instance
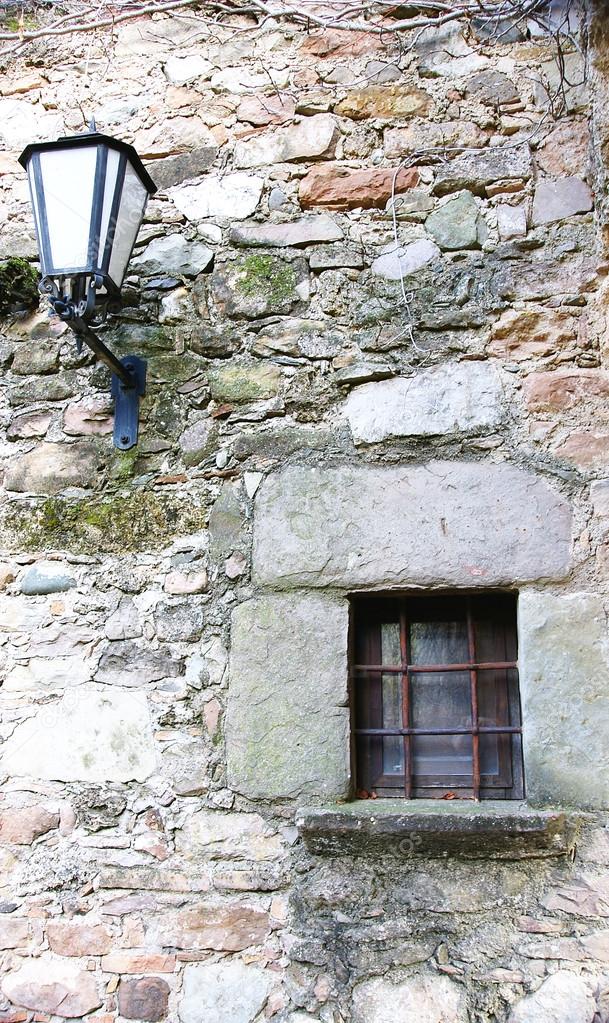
(68, 178)
(131, 211)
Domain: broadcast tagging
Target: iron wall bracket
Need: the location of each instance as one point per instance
(128, 374)
(127, 402)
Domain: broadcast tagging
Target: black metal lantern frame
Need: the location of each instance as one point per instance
(89, 194)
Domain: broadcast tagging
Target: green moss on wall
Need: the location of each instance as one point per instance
(267, 277)
(18, 286)
(141, 520)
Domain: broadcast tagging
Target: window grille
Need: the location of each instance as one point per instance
(435, 698)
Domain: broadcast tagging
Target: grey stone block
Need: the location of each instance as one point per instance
(463, 397)
(564, 668)
(287, 732)
(443, 523)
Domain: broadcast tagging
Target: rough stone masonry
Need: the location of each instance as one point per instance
(174, 619)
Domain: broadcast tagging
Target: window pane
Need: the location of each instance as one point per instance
(447, 759)
(441, 699)
(438, 643)
(393, 745)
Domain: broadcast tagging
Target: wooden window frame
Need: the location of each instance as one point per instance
(497, 611)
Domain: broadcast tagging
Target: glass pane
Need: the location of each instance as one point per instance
(131, 211)
(68, 176)
(443, 756)
(393, 745)
(113, 159)
(438, 643)
(441, 699)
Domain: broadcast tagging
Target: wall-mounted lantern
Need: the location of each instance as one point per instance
(89, 194)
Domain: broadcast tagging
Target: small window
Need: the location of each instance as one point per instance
(436, 706)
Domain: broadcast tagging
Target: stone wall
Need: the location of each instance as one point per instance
(372, 292)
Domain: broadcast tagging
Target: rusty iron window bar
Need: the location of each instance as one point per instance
(456, 735)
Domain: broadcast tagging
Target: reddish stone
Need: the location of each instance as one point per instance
(566, 150)
(336, 43)
(58, 987)
(385, 101)
(530, 333)
(586, 448)
(531, 925)
(338, 188)
(222, 928)
(21, 826)
(261, 110)
(14, 931)
(76, 938)
(143, 999)
(138, 962)
(564, 389)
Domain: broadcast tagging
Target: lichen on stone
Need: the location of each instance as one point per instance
(140, 520)
(269, 277)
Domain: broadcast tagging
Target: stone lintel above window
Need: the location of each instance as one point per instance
(490, 830)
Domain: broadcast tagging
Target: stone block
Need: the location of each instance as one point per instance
(456, 224)
(173, 254)
(217, 992)
(463, 397)
(565, 389)
(588, 449)
(311, 137)
(564, 663)
(242, 382)
(230, 927)
(475, 171)
(564, 996)
(91, 734)
(426, 999)
(76, 938)
(288, 721)
(269, 109)
(48, 985)
(511, 221)
(557, 200)
(385, 101)
(138, 960)
(532, 332)
(180, 622)
(14, 931)
(566, 149)
(492, 88)
(294, 233)
(260, 285)
(145, 999)
(433, 135)
(180, 70)
(235, 196)
(46, 577)
(124, 663)
(50, 468)
(228, 836)
(340, 188)
(395, 263)
(173, 170)
(376, 526)
(92, 417)
(22, 825)
(443, 52)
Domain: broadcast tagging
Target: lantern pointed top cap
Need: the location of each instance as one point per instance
(89, 194)
(92, 137)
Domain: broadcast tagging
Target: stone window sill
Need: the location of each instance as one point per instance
(486, 830)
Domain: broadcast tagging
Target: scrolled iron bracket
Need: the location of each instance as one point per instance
(128, 383)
